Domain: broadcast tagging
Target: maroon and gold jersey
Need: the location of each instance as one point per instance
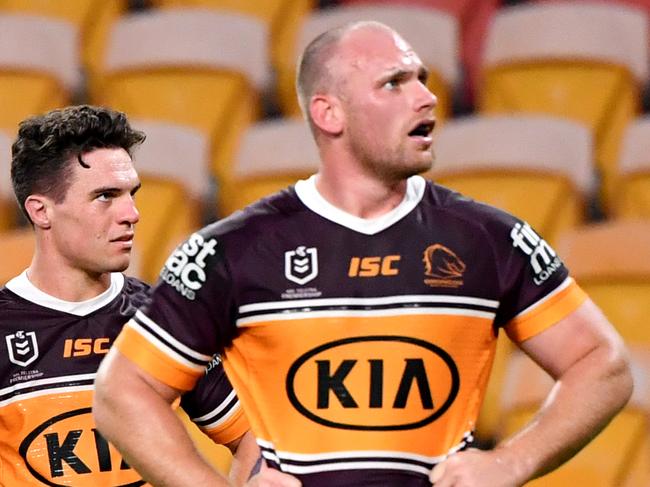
(51, 350)
(360, 349)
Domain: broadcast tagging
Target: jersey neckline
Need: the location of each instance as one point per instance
(22, 286)
(312, 199)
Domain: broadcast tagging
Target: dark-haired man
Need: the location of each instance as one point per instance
(75, 181)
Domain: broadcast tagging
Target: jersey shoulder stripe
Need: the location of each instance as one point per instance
(553, 307)
(162, 363)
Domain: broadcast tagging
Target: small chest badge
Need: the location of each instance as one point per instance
(22, 347)
(301, 265)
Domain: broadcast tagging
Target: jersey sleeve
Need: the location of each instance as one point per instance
(187, 321)
(213, 406)
(536, 288)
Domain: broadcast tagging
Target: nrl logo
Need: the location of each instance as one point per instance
(301, 265)
(22, 347)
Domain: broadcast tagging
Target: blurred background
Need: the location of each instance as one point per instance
(542, 111)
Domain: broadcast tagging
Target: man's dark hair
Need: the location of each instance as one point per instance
(48, 145)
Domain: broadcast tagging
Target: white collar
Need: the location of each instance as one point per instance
(312, 199)
(22, 286)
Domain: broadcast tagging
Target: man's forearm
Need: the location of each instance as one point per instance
(245, 456)
(147, 432)
(579, 406)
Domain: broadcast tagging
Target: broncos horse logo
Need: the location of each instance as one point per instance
(443, 267)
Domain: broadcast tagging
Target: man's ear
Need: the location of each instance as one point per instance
(327, 114)
(37, 207)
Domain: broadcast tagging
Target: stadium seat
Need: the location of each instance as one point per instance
(193, 67)
(434, 36)
(585, 61)
(536, 167)
(8, 207)
(91, 20)
(173, 168)
(631, 195)
(619, 456)
(283, 18)
(272, 155)
(16, 249)
(473, 16)
(39, 66)
(611, 261)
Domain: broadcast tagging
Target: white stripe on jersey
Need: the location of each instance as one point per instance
(560, 288)
(301, 315)
(346, 301)
(225, 417)
(218, 409)
(357, 459)
(352, 454)
(50, 380)
(173, 341)
(163, 347)
(45, 392)
(295, 469)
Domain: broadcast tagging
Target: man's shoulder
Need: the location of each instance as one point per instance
(261, 214)
(467, 209)
(135, 291)
(8, 300)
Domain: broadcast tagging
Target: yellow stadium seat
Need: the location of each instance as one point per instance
(611, 261)
(173, 168)
(433, 34)
(631, 195)
(91, 20)
(8, 206)
(536, 167)
(619, 456)
(16, 249)
(283, 18)
(193, 67)
(585, 61)
(39, 66)
(272, 155)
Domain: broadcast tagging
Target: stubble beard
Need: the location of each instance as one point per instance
(392, 166)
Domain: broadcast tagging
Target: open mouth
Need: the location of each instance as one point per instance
(423, 129)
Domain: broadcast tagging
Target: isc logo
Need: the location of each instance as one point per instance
(374, 266)
(81, 347)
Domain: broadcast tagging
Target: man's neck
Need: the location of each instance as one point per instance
(358, 194)
(68, 284)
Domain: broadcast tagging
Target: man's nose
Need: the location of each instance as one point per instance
(425, 100)
(131, 214)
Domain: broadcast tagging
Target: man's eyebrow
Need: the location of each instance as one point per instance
(115, 190)
(106, 189)
(400, 72)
